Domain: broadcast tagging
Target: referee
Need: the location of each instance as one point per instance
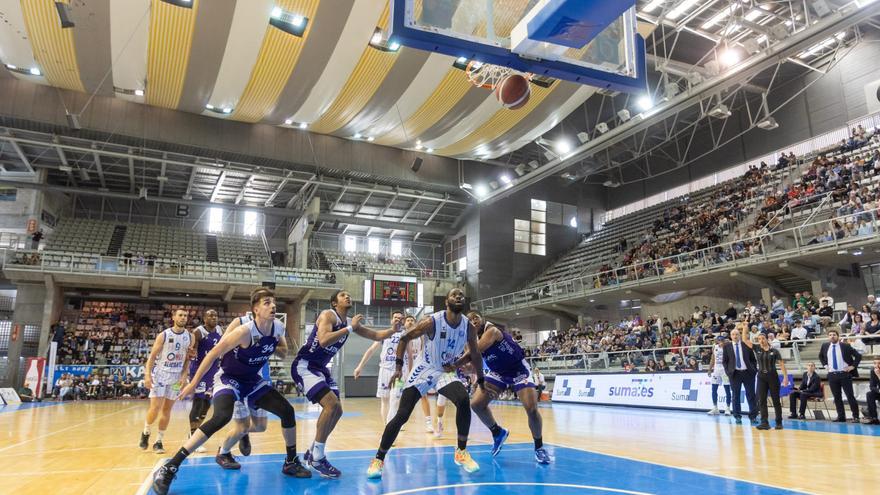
(768, 379)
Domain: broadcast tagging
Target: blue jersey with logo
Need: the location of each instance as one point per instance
(504, 357)
(316, 354)
(246, 363)
(207, 341)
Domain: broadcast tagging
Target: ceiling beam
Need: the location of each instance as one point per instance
(19, 152)
(218, 185)
(278, 189)
(99, 166)
(244, 188)
(130, 170)
(382, 224)
(192, 178)
(278, 212)
(161, 179)
(435, 212)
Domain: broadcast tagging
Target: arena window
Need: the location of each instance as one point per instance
(215, 220)
(250, 223)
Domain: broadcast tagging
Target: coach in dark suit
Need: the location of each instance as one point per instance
(808, 389)
(874, 392)
(741, 367)
(842, 362)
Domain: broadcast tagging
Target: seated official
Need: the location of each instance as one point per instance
(809, 388)
(874, 393)
(26, 394)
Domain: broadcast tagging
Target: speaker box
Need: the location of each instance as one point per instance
(270, 285)
(64, 15)
(416, 164)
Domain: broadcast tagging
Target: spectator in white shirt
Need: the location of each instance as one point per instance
(825, 297)
(773, 341)
(540, 382)
(799, 332)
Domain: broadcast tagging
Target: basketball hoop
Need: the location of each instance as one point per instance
(489, 76)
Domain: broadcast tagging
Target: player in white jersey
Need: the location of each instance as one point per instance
(719, 376)
(389, 393)
(165, 375)
(446, 335)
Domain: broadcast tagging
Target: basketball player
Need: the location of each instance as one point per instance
(507, 369)
(446, 334)
(310, 372)
(246, 419)
(204, 338)
(244, 350)
(413, 350)
(165, 376)
(718, 376)
(386, 363)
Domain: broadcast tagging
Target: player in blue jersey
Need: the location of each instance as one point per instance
(507, 369)
(310, 372)
(244, 351)
(204, 338)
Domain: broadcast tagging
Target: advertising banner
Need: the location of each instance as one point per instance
(84, 370)
(691, 391)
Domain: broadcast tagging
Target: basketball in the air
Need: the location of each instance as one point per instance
(513, 92)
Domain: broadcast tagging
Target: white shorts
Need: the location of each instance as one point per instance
(425, 377)
(383, 387)
(165, 385)
(241, 411)
(719, 376)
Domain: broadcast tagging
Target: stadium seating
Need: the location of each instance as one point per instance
(369, 263)
(163, 242)
(80, 235)
(242, 250)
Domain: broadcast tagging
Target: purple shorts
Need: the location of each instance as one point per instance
(516, 381)
(247, 389)
(312, 379)
(206, 386)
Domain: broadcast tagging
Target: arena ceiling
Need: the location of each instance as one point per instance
(226, 59)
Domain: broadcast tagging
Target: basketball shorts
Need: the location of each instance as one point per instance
(206, 386)
(165, 385)
(245, 389)
(312, 379)
(516, 381)
(383, 385)
(425, 377)
(242, 411)
(719, 377)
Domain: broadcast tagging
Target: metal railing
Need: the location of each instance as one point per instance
(94, 264)
(745, 251)
(609, 361)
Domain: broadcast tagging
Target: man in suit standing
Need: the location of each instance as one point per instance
(808, 389)
(874, 392)
(741, 367)
(842, 362)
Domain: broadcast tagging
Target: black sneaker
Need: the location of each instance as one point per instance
(802, 416)
(244, 445)
(158, 448)
(779, 425)
(145, 441)
(763, 426)
(296, 469)
(163, 477)
(226, 461)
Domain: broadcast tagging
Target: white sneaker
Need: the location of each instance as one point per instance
(713, 412)
(727, 412)
(429, 427)
(439, 431)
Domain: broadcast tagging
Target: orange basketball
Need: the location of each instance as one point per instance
(513, 92)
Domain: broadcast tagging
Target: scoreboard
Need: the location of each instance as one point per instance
(392, 290)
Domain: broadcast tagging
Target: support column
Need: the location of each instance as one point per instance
(765, 296)
(29, 310)
(816, 288)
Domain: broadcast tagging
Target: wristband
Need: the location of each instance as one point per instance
(349, 329)
(398, 362)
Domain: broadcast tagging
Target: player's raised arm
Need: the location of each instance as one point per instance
(366, 357)
(326, 335)
(369, 333)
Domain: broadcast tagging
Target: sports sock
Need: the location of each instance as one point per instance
(380, 454)
(495, 429)
(224, 450)
(179, 457)
(539, 442)
(291, 453)
(318, 451)
(161, 435)
(146, 428)
(462, 444)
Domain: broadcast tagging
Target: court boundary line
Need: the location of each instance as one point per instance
(515, 483)
(66, 428)
(693, 470)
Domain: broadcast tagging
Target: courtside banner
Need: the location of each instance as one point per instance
(660, 390)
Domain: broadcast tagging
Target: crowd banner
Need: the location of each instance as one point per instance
(675, 390)
(136, 372)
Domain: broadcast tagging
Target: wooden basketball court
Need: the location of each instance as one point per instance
(91, 448)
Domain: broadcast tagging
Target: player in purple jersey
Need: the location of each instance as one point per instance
(204, 338)
(244, 350)
(507, 369)
(310, 372)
